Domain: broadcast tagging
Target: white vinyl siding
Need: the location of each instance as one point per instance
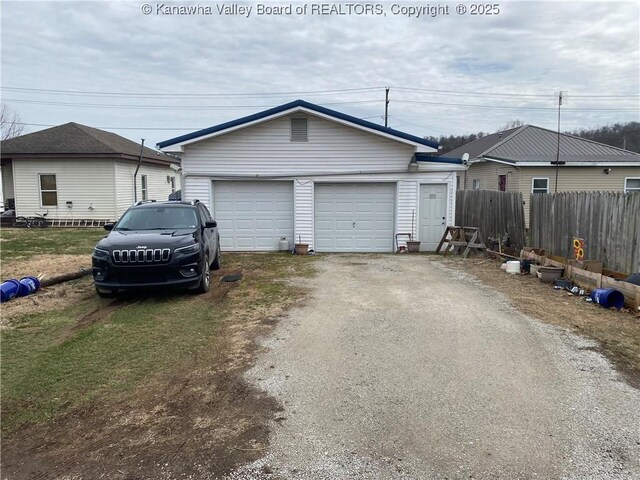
(632, 184)
(87, 184)
(303, 206)
(144, 192)
(265, 149)
(253, 216)
(157, 186)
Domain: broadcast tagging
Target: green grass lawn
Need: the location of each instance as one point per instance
(52, 362)
(25, 242)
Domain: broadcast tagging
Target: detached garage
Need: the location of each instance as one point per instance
(303, 172)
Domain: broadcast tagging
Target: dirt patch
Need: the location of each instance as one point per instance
(47, 299)
(618, 332)
(200, 420)
(49, 265)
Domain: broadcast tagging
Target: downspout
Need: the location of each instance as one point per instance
(135, 174)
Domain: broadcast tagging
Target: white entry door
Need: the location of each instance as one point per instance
(433, 215)
(354, 217)
(253, 215)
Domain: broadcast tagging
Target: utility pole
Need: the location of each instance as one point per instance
(386, 107)
(558, 147)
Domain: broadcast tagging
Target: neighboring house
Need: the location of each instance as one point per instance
(315, 175)
(522, 159)
(77, 172)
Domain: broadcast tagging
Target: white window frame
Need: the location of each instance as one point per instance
(626, 189)
(539, 178)
(173, 184)
(54, 175)
(475, 184)
(144, 188)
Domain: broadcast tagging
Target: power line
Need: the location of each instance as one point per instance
(175, 107)
(186, 95)
(471, 105)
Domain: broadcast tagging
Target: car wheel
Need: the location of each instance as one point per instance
(106, 292)
(205, 279)
(217, 262)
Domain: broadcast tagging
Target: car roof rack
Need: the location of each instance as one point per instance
(141, 202)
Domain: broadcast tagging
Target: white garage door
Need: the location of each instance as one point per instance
(354, 217)
(253, 215)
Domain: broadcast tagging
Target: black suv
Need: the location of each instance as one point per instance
(158, 244)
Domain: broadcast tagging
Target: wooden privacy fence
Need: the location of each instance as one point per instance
(608, 223)
(494, 212)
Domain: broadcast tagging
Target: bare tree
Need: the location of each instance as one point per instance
(10, 123)
(511, 124)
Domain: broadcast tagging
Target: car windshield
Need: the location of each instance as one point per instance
(158, 218)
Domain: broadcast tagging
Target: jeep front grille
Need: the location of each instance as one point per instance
(142, 256)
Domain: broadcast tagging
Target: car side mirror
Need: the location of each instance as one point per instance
(211, 224)
(109, 226)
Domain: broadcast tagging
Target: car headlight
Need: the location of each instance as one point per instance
(195, 248)
(99, 252)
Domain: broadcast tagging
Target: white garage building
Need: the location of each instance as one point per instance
(308, 173)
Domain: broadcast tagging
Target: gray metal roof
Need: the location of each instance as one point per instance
(531, 144)
(477, 147)
(74, 139)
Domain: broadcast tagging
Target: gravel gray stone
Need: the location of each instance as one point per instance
(397, 367)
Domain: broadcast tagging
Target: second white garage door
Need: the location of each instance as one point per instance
(253, 215)
(354, 217)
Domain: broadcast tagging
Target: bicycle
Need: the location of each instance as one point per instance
(39, 220)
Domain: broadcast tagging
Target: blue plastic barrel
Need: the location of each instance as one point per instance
(28, 285)
(8, 290)
(608, 297)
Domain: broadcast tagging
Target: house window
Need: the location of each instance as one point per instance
(299, 130)
(632, 184)
(173, 184)
(458, 185)
(48, 190)
(143, 187)
(502, 183)
(540, 185)
(476, 184)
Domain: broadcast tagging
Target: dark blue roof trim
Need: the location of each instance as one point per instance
(289, 106)
(420, 157)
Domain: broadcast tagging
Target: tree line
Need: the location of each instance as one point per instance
(622, 135)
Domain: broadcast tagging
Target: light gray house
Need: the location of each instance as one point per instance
(311, 174)
(522, 159)
(77, 172)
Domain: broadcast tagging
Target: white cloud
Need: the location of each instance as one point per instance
(587, 48)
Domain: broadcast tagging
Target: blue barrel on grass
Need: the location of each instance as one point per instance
(8, 290)
(608, 297)
(28, 285)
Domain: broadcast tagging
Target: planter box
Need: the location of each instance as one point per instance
(302, 248)
(413, 247)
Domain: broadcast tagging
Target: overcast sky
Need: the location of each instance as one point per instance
(175, 73)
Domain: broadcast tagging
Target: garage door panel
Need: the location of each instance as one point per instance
(354, 217)
(253, 215)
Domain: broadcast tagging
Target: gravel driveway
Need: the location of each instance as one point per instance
(398, 367)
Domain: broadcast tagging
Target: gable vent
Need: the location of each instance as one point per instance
(299, 130)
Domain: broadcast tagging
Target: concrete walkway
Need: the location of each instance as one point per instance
(398, 367)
